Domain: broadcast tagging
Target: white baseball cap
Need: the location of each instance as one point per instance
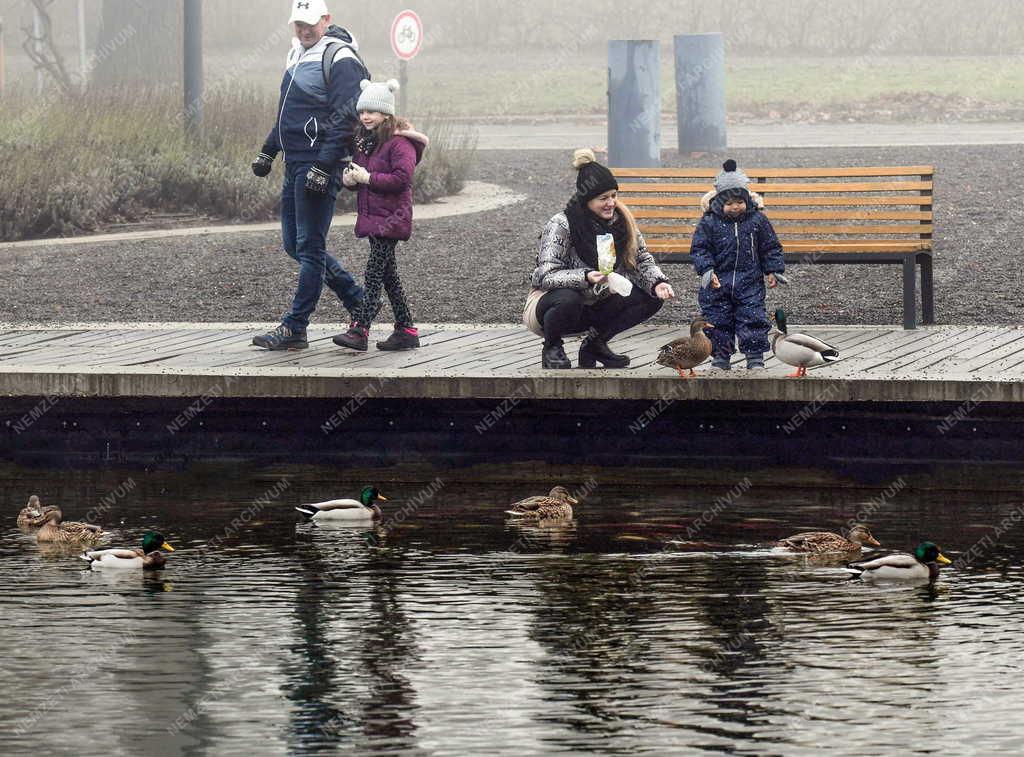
(308, 11)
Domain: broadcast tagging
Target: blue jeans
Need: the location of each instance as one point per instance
(305, 220)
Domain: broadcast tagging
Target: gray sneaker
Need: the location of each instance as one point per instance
(721, 365)
(281, 338)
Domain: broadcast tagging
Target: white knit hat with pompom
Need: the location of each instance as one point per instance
(378, 98)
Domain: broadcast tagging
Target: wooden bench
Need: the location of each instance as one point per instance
(872, 215)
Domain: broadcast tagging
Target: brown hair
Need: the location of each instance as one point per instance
(387, 128)
(633, 234)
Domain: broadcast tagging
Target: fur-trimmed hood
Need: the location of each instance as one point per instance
(419, 140)
(705, 201)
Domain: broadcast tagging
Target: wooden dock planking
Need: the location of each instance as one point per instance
(941, 363)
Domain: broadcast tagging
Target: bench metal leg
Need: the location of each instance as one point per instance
(909, 293)
(927, 291)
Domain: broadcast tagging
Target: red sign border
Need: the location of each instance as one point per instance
(394, 31)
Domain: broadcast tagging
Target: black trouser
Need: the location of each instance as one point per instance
(563, 312)
(382, 270)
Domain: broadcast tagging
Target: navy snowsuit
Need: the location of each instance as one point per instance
(741, 252)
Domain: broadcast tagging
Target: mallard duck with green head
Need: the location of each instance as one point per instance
(365, 508)
(823, 542)
(686, 353)
(148, 557)
(55, 531)
(556, 505)
(919, 567)
(33, 515)
(799, 350)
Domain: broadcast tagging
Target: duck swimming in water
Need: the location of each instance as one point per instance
(557, 504)
(149, 557)
(919, 567)
(33, 515)
(823, 542)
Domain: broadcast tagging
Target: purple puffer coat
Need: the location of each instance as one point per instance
(385, 205)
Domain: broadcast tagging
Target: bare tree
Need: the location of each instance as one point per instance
(41, 50)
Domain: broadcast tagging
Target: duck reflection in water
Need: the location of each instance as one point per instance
(347, 681)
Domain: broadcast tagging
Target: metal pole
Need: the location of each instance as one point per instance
(700, 92)
(83, 53)
(193, 65)
(37, 45)
(3, 59)
(403, 86)
(634, 103)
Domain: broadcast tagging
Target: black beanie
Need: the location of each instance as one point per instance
(592, 179)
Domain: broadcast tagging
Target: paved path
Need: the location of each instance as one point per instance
(569, 134)
(958, 364)
(477, 197)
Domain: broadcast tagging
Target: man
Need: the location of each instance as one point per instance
(315, 123)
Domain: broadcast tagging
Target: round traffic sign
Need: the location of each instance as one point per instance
(407, 35)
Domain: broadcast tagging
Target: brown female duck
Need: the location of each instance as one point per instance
(33, 515)
(55, 531)
(687, 352)
(821, 542)
(557, 504)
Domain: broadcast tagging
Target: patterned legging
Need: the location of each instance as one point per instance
(382, 270)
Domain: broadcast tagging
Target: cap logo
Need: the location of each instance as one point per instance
(302, 6)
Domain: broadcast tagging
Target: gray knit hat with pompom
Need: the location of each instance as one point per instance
(731, 178)
(377, 98)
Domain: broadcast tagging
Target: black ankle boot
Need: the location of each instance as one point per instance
(554, 357)
(595, 350)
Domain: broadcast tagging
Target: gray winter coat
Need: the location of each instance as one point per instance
(559, 267)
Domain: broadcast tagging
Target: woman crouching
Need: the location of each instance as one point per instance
(570, 293)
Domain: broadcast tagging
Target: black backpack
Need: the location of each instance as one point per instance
(344, 41)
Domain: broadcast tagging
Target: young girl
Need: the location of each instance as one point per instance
(387, 153)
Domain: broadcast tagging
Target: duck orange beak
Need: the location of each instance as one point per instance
(709, 325)
(943, 560)
(382, 498)
(873, 541)
(167, 547)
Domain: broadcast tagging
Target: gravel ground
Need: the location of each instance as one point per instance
(476, 268)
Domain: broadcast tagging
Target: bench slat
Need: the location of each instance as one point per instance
(924, 245)
(783, 229)
(802, 215)
(788, 187)
(778, 173)
(777, 201)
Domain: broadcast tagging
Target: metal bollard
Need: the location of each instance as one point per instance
(700, 92)
(634, 103)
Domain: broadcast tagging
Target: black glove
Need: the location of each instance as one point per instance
(318, 179)
(261, 166)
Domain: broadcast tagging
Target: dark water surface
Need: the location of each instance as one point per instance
(658, 622)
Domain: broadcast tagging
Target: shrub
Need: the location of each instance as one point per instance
(76, 165)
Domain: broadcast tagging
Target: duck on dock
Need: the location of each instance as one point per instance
(365, 508)
(556, 505)
(922, 565)
(55, 531)
(687, 352)
(33, 515)
(799, 350)
(149, 557)
(824, 542)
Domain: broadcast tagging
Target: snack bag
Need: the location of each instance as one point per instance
(606, 253)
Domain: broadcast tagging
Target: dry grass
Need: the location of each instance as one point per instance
(73, 166)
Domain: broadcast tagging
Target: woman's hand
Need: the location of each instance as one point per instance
(664, 291)
(596, 277)
(772, 281)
